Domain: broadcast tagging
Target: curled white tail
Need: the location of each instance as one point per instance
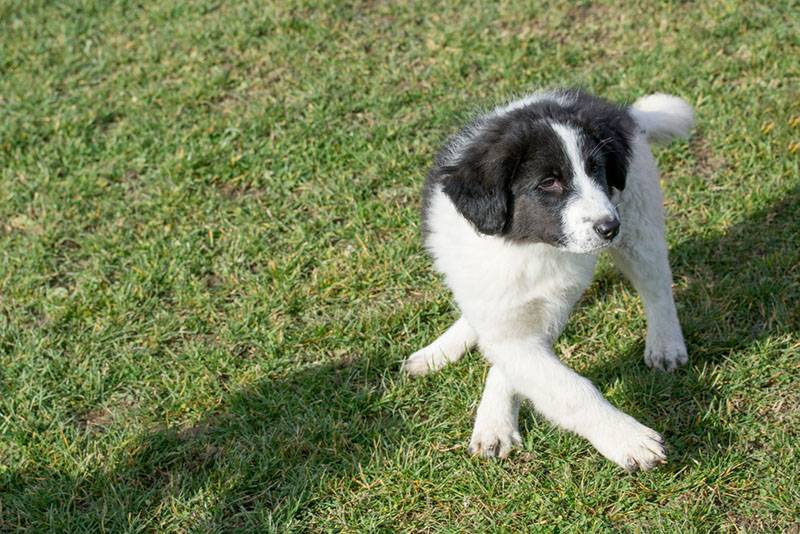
(663, 117)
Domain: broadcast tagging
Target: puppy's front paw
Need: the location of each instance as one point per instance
(629, 444)
(495, 439)
(425, 361)
(420, 363)
(666, 356)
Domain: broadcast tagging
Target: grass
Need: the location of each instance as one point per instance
(210, 268)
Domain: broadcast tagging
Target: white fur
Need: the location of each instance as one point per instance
(663, 117)
(495, 432)
(516, 298)
(447, 348)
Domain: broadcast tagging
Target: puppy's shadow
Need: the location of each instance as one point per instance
(734, 291)
(266, 448)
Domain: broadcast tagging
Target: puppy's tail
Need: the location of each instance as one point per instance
(663, 117)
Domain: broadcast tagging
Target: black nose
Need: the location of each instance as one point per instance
(607, 228)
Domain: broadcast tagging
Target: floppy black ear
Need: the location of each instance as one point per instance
(478, 183)
(616, 131)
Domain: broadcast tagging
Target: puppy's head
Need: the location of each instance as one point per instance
(545, 173)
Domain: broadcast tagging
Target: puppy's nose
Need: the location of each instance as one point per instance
(607, 228)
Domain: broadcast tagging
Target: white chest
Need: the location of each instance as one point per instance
(490, 276)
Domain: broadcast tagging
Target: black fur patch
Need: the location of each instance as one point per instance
(493, 169)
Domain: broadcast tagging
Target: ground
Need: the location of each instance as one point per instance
(211, 269)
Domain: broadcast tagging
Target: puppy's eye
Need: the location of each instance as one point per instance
(550, 185)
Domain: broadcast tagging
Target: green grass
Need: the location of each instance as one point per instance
(210, 268)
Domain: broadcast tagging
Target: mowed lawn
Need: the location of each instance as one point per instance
(211, 268)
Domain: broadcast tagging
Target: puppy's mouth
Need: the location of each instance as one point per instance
(585, 246)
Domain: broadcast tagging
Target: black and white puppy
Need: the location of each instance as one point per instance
(516, 208)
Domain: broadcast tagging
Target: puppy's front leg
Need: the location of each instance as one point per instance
(495, 431)
(447, 348)
(641, 254)
(571, 401)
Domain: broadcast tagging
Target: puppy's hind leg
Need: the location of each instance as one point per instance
(447, 348)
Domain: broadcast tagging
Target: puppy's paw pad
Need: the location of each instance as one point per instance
(493, 441)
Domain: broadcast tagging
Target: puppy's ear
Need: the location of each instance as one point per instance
(478, 182)
(615, 129)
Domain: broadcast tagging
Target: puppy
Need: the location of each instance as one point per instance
(515, 210)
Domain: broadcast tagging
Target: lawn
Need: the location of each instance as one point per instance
(211, 268)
